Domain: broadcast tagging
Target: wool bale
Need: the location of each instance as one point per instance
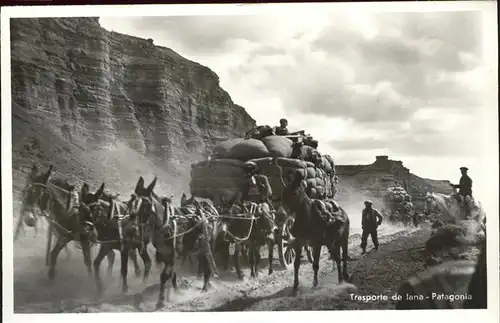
(331, 162)
(319, 182)
(248, 149)
(311, 172)
(311, 182)
(312, 193)
(223, 149)
(307, 153)
(320, 173)
(310, 142)
(242, 149)
(278, 146)
(320, 191)
(325, 164)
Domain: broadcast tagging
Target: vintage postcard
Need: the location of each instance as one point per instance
(295, 160)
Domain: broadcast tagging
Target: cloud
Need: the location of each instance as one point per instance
(425, 135)
(363, 83)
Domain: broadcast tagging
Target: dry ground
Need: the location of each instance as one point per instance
(375, 273)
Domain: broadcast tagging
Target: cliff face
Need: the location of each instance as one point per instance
(373, 180)
(97, 89)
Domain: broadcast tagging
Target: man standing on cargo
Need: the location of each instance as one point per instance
(370, 220)
(282, 130)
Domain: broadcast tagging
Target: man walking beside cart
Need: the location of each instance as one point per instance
(370, 220)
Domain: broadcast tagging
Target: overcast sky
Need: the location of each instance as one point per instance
(403, 84)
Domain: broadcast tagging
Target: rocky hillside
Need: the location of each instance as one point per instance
(357, 182)
(79, 90)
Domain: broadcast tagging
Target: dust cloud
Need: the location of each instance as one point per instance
(124, 166)
(352, 200)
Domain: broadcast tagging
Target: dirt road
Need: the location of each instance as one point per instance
(378, 272)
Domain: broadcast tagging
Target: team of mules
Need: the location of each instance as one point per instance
(196, 227)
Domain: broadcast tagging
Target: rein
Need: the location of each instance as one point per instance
(253, 218)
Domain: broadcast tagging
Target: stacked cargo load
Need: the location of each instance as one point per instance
(224, 173)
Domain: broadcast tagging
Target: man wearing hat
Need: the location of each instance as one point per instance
(256, 188)
(370, 220)
(282, 130)
(464, 187)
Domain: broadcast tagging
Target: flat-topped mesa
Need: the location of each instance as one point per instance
(374, 179)
(97, 87)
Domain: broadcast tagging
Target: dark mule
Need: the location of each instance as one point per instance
(251, 226)
(189, 206)
(316, 225)
(107, 215)
(170, 234)
(68, 219)
(222, 242)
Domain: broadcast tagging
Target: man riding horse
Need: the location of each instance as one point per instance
(465, 189)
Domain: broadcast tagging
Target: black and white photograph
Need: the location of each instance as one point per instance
(269, 158)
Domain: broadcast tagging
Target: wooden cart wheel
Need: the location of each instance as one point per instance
(285, 246)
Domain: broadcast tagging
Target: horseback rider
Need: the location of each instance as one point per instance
(370, 220)
(282, 130)
(465, 189)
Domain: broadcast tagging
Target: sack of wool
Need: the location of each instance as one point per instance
(325, 165)
(311, 192)
(332, 163)
(306, 153)
(311, 182)
(320, 182)
(223, 149)
(311, 172)
(242, 149)
(278, 146)
(248, 149)
(310, 142)
(328, 187)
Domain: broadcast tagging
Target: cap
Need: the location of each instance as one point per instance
(283, 120)
(368, 202)
(464, 168)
